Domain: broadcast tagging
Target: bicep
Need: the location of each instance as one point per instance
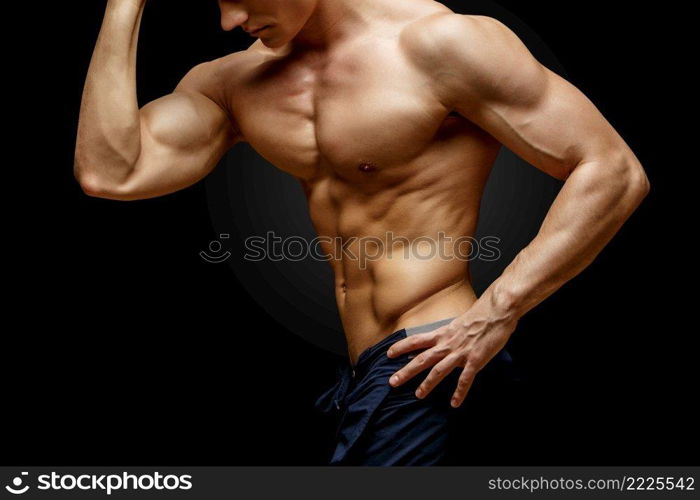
(183, 137)
(498, 84)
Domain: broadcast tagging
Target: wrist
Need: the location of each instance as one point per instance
(504, 300)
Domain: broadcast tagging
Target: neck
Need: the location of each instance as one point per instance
(333, 21)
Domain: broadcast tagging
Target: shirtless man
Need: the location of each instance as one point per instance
(391, 115)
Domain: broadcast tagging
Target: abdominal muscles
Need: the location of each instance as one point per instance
(401, 244)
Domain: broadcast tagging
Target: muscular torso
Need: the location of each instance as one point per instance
(378, 156)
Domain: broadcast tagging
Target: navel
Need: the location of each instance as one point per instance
(366, 167)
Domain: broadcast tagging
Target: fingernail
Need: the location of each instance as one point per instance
(454, 403)
(389, 352)
(394, 379)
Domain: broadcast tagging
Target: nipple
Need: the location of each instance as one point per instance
(367, 167)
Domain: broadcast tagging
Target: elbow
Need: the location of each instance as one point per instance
(95, 185)
(82, 174)
(89, 181)
(621, 173)
(628, 182)
(636, 179)
(93, 188)
(619, 178)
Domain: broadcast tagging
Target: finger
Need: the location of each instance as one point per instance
(437, 374)
(424, 360)
(466, 379)
(411, 343)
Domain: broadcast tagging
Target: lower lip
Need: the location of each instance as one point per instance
(256, 33)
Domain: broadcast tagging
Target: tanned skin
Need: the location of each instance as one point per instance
(391, 115)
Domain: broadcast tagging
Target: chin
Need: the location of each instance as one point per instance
(273, 42)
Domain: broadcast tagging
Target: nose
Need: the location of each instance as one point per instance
(231, 17)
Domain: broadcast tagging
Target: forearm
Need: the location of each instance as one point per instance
(108, 139)
(594, 202)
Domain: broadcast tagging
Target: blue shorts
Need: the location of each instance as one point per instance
(381, 425)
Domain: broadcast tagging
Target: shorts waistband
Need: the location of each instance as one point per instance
(428, 327)
(390, 339)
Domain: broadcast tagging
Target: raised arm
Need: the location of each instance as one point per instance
(479, 68)
(126, 153)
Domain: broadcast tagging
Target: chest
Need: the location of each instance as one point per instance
(365, 107)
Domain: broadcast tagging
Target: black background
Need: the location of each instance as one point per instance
(121, 345)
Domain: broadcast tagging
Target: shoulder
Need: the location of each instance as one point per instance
(216, 79)
(207, 86)
(449, 37)
(469, 55)
(202, 79)
(209, 76)
(446, 26)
